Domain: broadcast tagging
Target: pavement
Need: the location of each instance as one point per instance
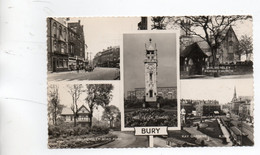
(99, 73)
(127, 140)
(225, 133)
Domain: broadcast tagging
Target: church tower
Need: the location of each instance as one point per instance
(150, 65)
(235, 95)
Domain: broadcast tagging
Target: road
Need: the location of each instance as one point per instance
(99, 73)
(126, 140)
(129, 140)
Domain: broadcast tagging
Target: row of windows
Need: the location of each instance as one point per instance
(62, 32)
(59, 47)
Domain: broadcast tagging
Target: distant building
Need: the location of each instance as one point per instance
(202, 107)
(164, 92)
(83, 116)
(109, 57)
(208, 109)
(242, 105)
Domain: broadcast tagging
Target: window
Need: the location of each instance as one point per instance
(151, 93)
(151, 76)
(60, 31)
(54, 30)
(54, 46)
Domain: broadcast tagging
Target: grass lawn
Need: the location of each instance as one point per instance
(182, 135)
(212, 130)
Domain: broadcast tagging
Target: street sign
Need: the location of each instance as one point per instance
(141, 131)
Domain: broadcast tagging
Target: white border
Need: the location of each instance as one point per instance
(123, 128)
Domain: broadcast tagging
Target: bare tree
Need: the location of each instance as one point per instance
(245, 46)
(98, 95)
(208, 28)
(54, 106)
(75, 92)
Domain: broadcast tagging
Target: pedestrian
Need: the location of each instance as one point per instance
(77, 68)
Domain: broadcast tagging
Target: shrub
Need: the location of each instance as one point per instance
(100, 130)
(54, 131)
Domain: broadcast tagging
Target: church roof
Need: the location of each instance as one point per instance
(193, 50)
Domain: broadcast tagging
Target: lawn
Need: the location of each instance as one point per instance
(212, 129)
(182, 135)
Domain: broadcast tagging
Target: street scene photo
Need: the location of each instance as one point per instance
(78, 51)
(150, 79)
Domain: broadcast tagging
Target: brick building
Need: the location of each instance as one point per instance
(76, 45)
(164, 92)
(57, 46)
(65, 45)
(109, 57)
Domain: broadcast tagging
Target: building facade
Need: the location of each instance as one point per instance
(76, 45)
(64, 46)
(57, 46)
(83, 116)
(164, 92)
(109, 57)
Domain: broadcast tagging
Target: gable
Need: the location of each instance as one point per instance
(83, 110)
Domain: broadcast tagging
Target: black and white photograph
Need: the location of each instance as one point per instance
(82, 115)
(217, 113)
(150, 79)
(84, 48)
(212, 47)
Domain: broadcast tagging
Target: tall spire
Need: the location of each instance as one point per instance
(235, 95)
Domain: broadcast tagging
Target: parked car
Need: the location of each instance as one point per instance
(89, 68)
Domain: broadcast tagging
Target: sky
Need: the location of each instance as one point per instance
(102, 32)
(216, 89)
(134, 55)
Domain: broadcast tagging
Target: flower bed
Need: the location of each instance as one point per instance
(151, 117)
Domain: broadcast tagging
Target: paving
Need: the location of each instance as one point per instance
(99, 73)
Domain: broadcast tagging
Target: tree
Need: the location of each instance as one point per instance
(158, 23)
(54, 106)
(98, 95)
(75, 92)
(245, 46)
(111, 114)
(208, 28)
